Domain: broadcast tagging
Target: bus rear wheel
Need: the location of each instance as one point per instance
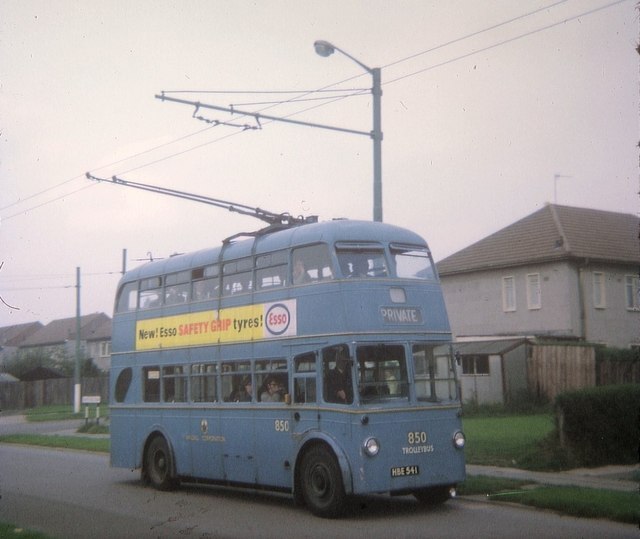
(433, 495)
(322, 487)
(158, 465)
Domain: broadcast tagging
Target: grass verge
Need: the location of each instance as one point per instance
(52, 413)
(84, 443)
(579, 502)
(574, 501)
(9, 530)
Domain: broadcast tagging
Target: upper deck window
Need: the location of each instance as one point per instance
(237, 277)
(150, 293)
(361, 259)
(310, 264)
(271, 269)
(127, 297)
(177, 287)
(412, 262)
(205, 282)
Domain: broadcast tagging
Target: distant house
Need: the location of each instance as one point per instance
(59, 338)
(560, 273)
(11, 337)
(41, 373)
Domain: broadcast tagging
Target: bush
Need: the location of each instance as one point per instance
(599, 425)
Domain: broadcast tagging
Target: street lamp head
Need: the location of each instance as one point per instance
(324, 48)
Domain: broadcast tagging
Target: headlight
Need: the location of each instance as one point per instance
(458, 440)
(371, 447)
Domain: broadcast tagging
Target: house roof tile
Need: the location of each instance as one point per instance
(553, 233)
(93, 327)
(15, 335)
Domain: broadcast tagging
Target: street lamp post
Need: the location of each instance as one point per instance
(324, 48)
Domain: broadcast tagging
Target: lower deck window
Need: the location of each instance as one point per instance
(382, 372)
(435, 374)
(203, 383)
(151, 381)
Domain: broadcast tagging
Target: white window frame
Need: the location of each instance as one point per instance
(534, 291)
(599, 293)
(631, 292)
(509, 294)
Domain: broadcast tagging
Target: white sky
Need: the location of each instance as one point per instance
(472, 140)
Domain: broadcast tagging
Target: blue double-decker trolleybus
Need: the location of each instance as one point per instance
(313, 359)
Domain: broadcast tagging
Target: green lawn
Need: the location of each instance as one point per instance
(513, 441)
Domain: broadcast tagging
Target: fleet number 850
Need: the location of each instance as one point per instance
(417, 437)
(281, 425)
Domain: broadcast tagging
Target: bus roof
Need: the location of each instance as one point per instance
(328, 232)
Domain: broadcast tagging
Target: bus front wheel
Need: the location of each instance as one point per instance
(158, 466)
(322, 487)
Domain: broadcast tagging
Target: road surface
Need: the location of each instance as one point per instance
(76, 494)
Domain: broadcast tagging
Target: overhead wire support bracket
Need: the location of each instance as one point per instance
(278, 220)
(259, 116)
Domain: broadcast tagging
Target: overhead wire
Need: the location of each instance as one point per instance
(303, 97)
(507, 41)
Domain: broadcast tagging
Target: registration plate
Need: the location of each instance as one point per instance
(404, 471)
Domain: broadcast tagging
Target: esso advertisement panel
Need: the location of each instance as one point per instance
(235, 324)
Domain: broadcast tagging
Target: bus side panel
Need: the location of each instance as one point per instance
(176, 423)
(122, 428)
(207, 444)
(238, 423)
(274, 446)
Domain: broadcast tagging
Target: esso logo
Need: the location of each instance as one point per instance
(278, 319)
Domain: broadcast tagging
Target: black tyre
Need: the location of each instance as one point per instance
(321, 483)
(433, 495)
(158, 465)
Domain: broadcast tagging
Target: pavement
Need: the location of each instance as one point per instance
(621, 478)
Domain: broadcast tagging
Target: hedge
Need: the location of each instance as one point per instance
(600, 425)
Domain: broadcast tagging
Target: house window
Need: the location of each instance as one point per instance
(475, 365)
(632, 292)
(599, 299)
(534, 297)
(508, 294)
(105, 349)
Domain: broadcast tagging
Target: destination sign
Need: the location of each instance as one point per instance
(401, 315)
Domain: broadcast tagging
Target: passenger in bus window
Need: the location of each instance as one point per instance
(392, 382)
(245, 391)
(300, 275)
(337, 382)
(272, 392)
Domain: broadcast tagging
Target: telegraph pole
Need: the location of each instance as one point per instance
(76, 387)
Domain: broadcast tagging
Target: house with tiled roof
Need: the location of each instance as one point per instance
(58, 338)
(560, 273)
(11, 337)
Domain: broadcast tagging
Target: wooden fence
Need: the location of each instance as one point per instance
(552, 369)
(612, 372)
(22, 395)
